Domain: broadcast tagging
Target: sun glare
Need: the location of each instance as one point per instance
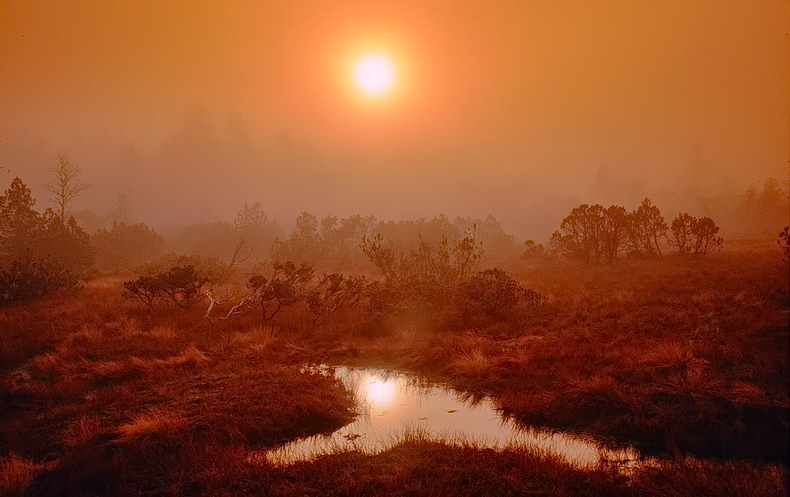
(378, 392)
(374, 74)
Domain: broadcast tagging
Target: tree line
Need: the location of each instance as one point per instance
(595, 233)
(44, 251)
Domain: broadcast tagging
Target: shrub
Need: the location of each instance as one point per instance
(784, 242)
(494, 293)
(254, 226)
(329, 244)
(335, 291)
(592, 233)
(694, 236)
(533, 250)
(180, 285)
(436, 280)
(126, 246)
(426, 280)
(286, 286)
(145, 288)
(28, 279)
(211, 268)
(646, 229)
(491, 292)
(438, 262)
(44, 237)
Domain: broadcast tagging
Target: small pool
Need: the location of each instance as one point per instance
(393, 405)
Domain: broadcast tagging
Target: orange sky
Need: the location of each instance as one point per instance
(196, 106)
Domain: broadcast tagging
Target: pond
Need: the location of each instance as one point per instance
(393, 405)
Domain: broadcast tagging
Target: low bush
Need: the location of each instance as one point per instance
(694, 236)
(211, 268)
(495, 294)
(180, 285)
(28, 279)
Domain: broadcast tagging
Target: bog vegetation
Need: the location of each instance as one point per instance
(133, 364)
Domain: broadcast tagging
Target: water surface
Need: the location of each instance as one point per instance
(392, 405)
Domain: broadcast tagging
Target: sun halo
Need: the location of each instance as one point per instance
(374, 74)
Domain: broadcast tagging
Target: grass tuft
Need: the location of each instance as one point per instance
(473, 363)
(154, 425)
(81, 431)
(17, 472)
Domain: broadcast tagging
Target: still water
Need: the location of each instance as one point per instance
(393, 405)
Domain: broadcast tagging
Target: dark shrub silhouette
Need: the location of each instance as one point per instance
(646, 228)
(694, 236)
(28, 278)
(494, 293)
(181, 285)
(592, 233)
(126, 246)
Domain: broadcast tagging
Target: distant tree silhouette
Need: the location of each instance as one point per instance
(250, 217)
(329, 244)
(255, 229)
(42, 253)
(302, 245)
(533, 250)
(216, 239)
(784, 242)
(490, 233)
(19, 223)
(766, 207)
(646, 228)
(65, 244)
(694, 236)
(65, 184)
(771, 195)
(592, 233)
(126, 246)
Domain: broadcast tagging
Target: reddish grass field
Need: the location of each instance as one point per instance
(686, 359)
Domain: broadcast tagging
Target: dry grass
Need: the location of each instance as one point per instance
(680, 357)
(81, 431)
(683, 357)
(714, 479)
(16, 473)
(472, 363)
(419, 467)
(151, 426)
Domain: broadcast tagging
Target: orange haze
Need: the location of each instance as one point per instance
(521, 109)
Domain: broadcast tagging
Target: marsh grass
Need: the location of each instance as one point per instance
(679, 359)
(716, 479)
(16, 473)
(99, 396)
(147, 427)
(124, 404)
(418, 465)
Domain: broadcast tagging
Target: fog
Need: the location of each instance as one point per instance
(521, 110)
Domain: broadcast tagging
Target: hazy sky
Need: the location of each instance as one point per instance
(194, 107)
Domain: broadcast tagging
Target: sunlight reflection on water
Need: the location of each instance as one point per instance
(393, 405)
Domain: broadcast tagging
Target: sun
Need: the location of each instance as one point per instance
(374, 74)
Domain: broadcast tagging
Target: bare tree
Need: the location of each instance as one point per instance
(65, 184)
